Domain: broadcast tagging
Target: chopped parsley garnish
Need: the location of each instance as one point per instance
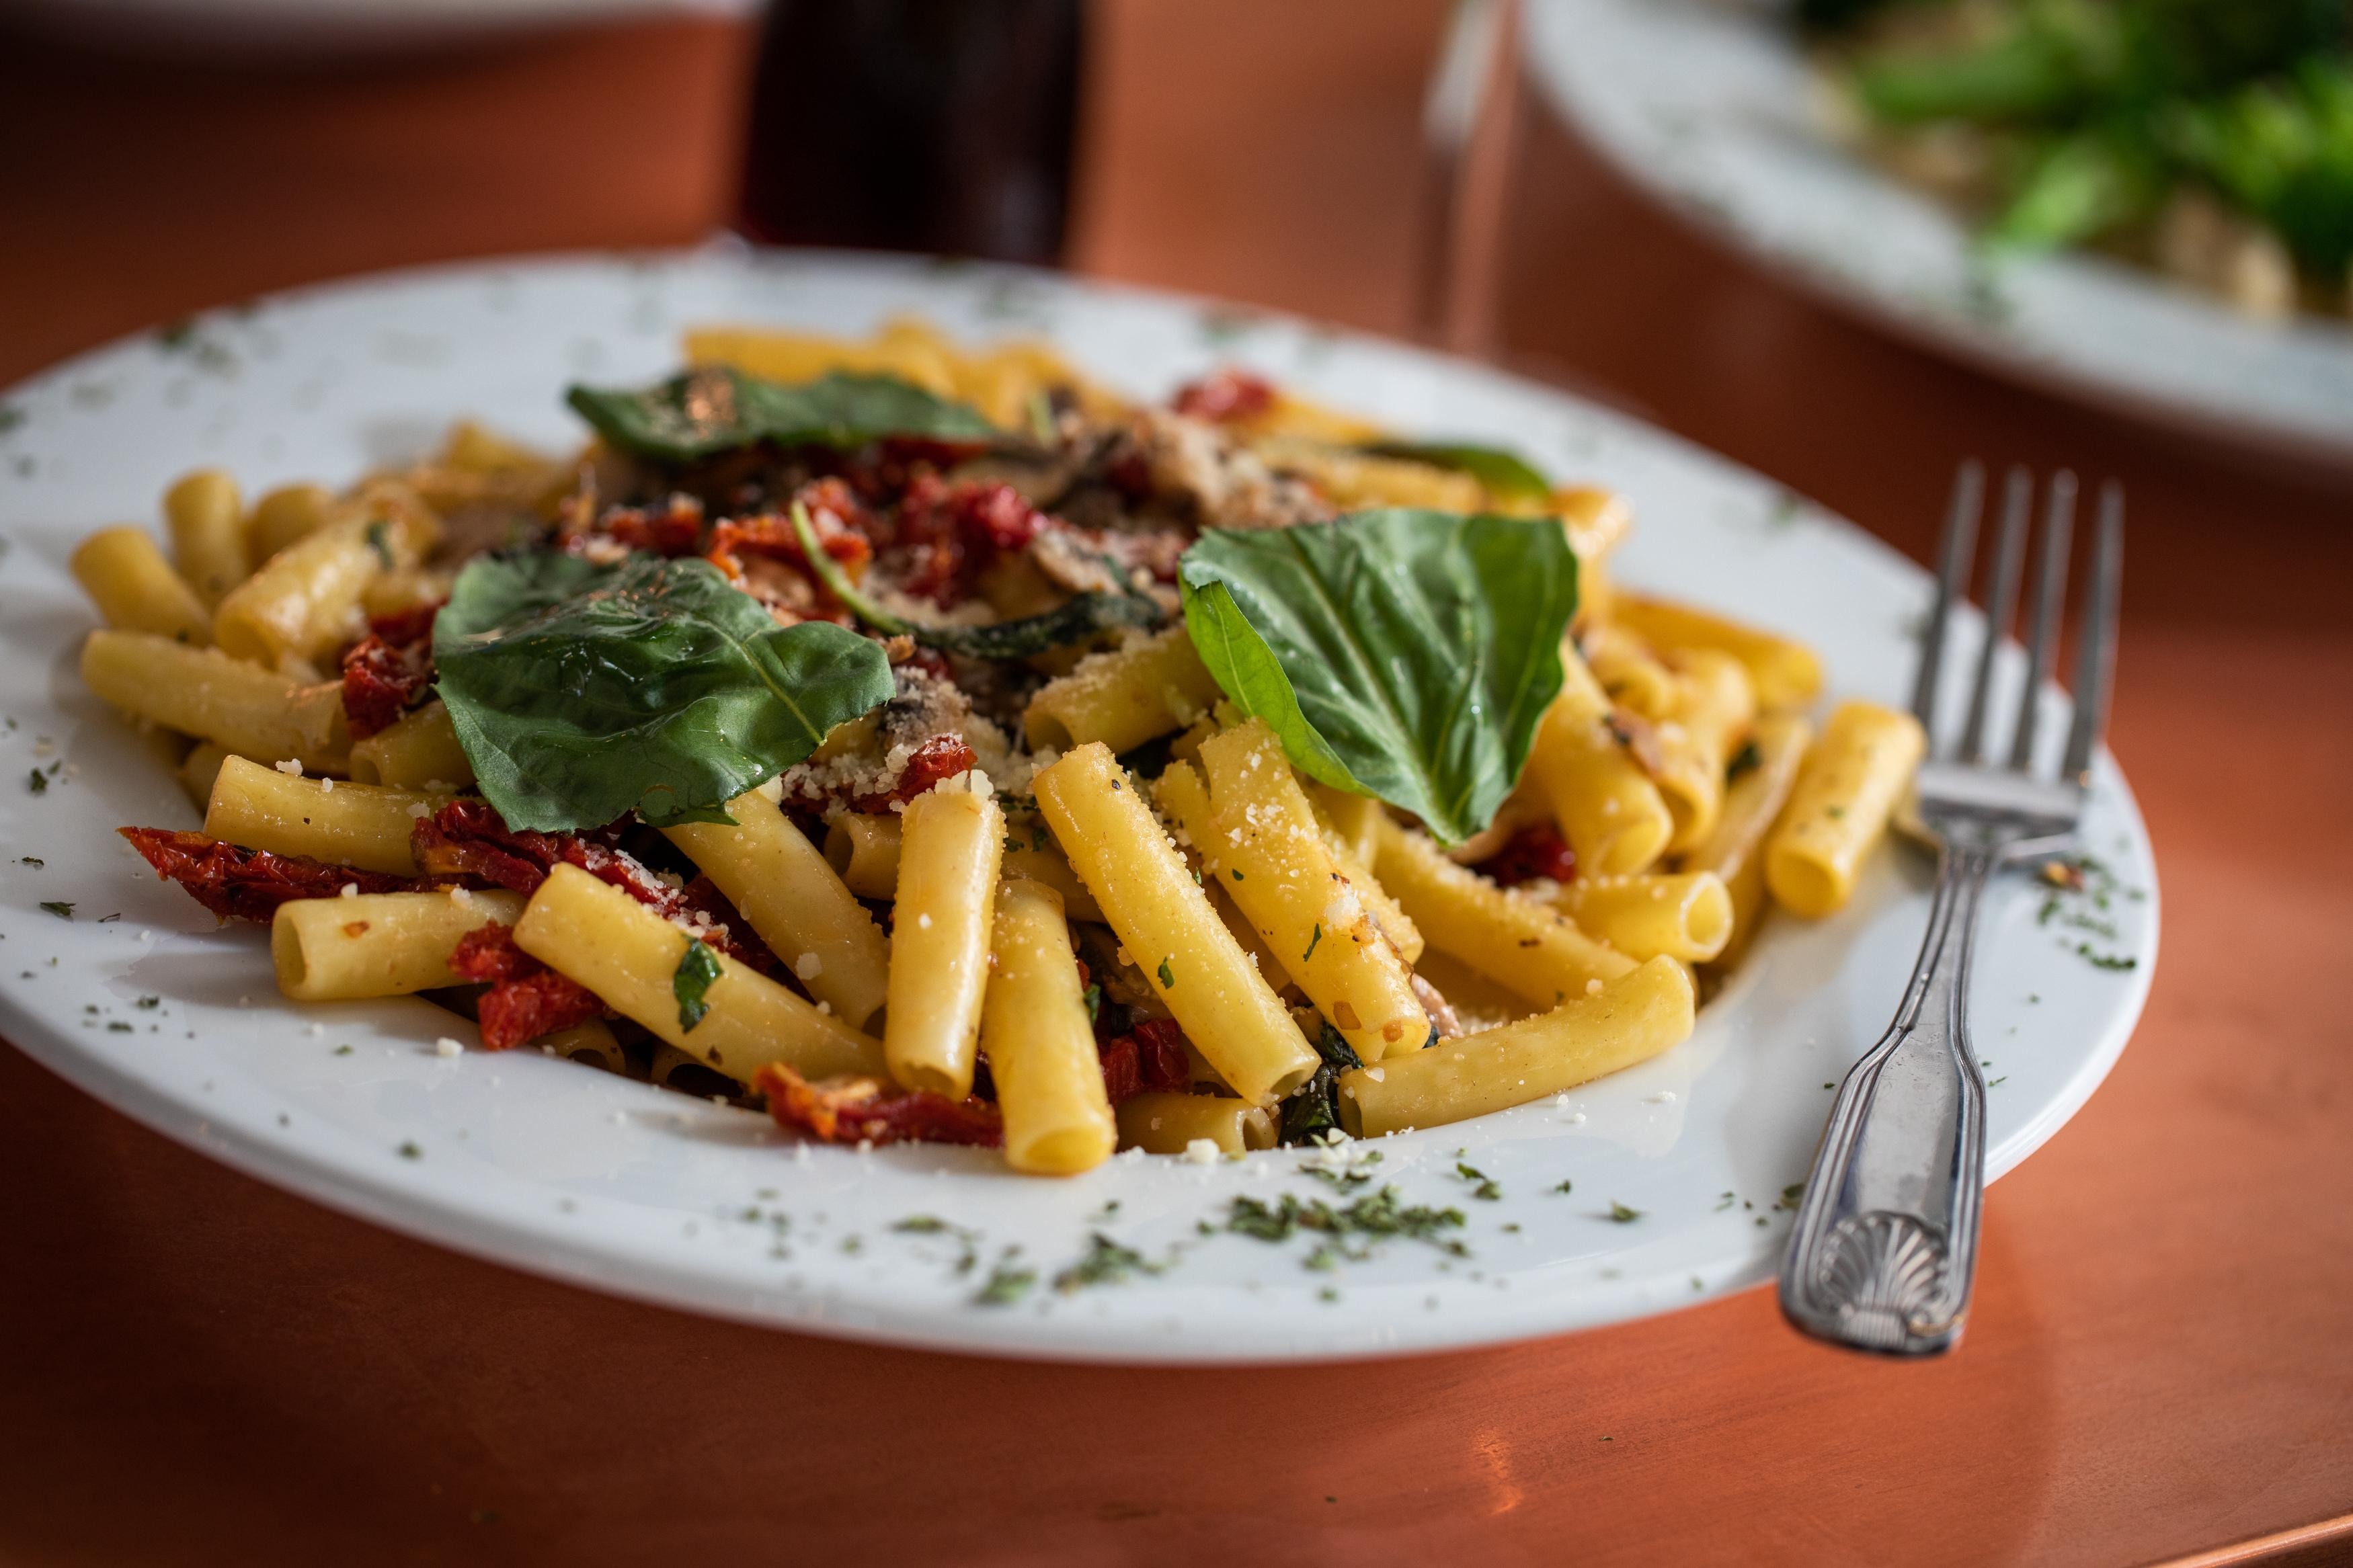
(38, 782)
(1006, 1285)
(409, 1151)
(697, 968)
(2111, 960)
(1747, 760)
(379, 539)
(1379, 1218)
(343, 1050)
(1093, 995)
(59, 908)
(1313, 942)
(1790, 1195)
(1104, 1262)
(921, 1224)
(1167, 977)
(33, 861)
(148, 1004)
(1488, 1187)
(1621, 1215)
(1237, 874)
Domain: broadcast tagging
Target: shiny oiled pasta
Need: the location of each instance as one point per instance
(1050, 885)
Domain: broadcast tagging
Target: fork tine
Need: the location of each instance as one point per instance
(2049, 589)
(2096, 665)
(1953, 557)
(2009, 551)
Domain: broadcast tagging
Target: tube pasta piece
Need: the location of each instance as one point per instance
(1170, 1124)
(951, 847)
(239, 707)
(1848, 786)
(1735, 850)
(1125, 697)
(1713, 709)
(199, 769)
(1687, 916)
(673, 1068)
(864, 853)
(1786, 674)
(1184, 799)
(124, 572)
(365, 826)
(1297, 897)
(600, 936)
(1049, 867)
(377, 944)
(1630, 674)
(207, 519)
(1604, 803)
(1039, 1043)
(304, 602)
(1530, 949)
(286, 514)
(1347, 821)
(1629, 1020)
(1165, 920)
(592, 1044)
(792, 897)
(417, 751)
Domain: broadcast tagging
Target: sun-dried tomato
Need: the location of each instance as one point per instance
(249, 884)
(1230, 395)
(1533, 853)
(865, 1110)
(468, 837)
(383, 680)
(843, 526)
(526, 998)
(672, 529)
(944, 535)
(942, 757)
(413, 624)
(1150, 1058)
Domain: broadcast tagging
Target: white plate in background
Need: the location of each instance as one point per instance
(140, 999)
(1712, 107)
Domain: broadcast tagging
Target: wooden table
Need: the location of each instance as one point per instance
(202, 1369)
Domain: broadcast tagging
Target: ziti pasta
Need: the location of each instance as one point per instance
(926, 744)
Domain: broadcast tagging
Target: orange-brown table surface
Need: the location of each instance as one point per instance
(198, 1368)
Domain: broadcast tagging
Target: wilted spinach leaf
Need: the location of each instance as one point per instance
(1505, 474)
(1398, 652)
(717, 408)
(582, 692)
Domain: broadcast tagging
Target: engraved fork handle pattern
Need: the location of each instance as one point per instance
(1884, 1245)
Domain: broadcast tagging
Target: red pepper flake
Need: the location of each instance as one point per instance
(1227, 396)
(249, 884)
(1533, 853)
(857, 1110)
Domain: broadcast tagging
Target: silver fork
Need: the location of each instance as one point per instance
(1885, 1248)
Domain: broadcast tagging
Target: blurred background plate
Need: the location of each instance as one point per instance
(1714, 108)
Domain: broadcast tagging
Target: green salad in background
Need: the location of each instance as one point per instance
(2210, 139)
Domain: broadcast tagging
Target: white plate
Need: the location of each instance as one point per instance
(1712, 107)
(611, 1183)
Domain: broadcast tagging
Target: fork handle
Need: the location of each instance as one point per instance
(1885, 1245)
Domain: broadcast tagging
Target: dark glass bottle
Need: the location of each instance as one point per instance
(942, 126)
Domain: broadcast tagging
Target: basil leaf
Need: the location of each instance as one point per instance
(697, 966)
(582, 692)
(1398, 652)
(717, 408)
(1505, 474)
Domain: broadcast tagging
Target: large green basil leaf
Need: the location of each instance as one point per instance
(1398, 652)
(583, 692)
(717, 408)
(1504, 473)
